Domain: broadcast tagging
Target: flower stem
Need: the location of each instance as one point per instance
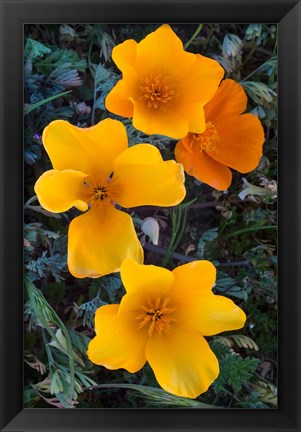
(198, 30)
(257, 69)
(178, 227)
(186, 259)
(30, 201)
(251, 228)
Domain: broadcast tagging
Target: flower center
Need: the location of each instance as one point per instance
(100, 193)
(157, 316)
(157, 90)
(97, 191)
(207, 140)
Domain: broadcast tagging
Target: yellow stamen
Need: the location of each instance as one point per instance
(100, 193)
(207, 140)
(157, 316)
(158, 91)
(97, 191)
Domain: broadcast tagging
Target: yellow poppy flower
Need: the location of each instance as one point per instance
(162, 319)
(163, 88)
(93, 168)
(231, 139)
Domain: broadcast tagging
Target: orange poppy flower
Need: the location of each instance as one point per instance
(163, 88)
(231, 139)
(93, 168)
(162, 319)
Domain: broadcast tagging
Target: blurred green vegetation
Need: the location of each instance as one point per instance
(67, 74)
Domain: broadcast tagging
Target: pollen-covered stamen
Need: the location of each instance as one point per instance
(207, 140)
(100, 193)
(158, 91)
(97, 190)
(157, 316)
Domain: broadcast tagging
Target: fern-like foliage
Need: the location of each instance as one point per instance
(59, 58)
(107, 291)
(67, 366)
(235, 371)
(34, 49)
(55, 264)
(241, 340)
(104, 81)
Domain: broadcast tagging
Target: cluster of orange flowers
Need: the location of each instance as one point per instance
(166, 91)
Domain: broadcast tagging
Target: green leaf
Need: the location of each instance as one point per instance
(39, 267)
(104, 80)
(250, 228)
(62, 346)
(29, 108)
(34, 49)
(79, 340)
(88, 309)
(260, 93)
(187, 204)
(101, 77)
(56, 383)
(234, 370)
(227, 285)
(30, 396)
(59, 58)
(207, 236)
(85, 380)
(160, 396)
(232, 45)
(41, 308)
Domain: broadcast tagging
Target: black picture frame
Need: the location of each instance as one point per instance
(14, 14)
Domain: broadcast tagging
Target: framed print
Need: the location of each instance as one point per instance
(151, 206)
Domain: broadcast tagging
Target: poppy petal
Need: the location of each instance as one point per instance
(212, 314)
(118, 101)
(85, 149)
(160, 51)
(143, 283)
(200, 308)
(99, 240)
(58, 191)
(229, 100)
(196, 117)
(156, 121)
(118, 343)
(196, 89)
(182, 361)
(240, 144)
(141, 177)
(201, 82)
(201, 166)
(125, 54)
(194, 278)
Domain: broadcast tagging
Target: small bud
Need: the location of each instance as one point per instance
(81, 108)
(151, 228)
